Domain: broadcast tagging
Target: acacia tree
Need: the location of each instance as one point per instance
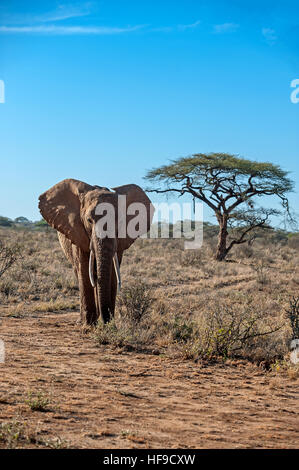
(229, 185)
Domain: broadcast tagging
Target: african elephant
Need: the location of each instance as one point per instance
(71, 207)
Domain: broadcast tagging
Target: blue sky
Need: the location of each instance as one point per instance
(102, 91)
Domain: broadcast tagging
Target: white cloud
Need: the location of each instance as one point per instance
(162, 29)
(178, 27)
(225, 28)
(68, 30)
(183, 27)
(270, 35)
(64, 12)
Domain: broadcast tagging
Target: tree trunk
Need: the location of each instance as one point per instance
(222, 238)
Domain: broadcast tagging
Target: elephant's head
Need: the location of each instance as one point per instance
(102, 223)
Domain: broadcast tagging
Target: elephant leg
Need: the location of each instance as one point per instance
(88, 309)
(113, 292)
(80, 260)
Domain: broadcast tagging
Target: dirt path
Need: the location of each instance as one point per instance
(102, 398)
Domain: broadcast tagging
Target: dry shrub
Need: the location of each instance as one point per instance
(293, 241)
(245, 251)
(217, 331)
(135, 301)
(133, 327)
(191, 258)
(8, 288)
(293, 315)
(8, 256)
(226, 332)
(109, 333)
(261, 270)
(182, 330)
(124, 334)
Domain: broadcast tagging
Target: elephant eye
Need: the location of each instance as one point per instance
(89, 219)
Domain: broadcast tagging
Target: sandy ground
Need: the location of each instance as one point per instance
(105, 398)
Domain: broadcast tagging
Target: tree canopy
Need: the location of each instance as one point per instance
(225, 182)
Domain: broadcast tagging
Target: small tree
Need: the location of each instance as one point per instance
(22, 221)
(225, 182)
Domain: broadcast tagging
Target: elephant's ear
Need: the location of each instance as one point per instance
(60, 207)
(134, 194)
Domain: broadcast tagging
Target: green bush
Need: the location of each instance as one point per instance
(37, 401)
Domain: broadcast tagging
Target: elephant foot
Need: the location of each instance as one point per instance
(89, 318)
(107, 314)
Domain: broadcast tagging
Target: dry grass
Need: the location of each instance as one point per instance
(174, 299)
(180, 331)
(42, 278)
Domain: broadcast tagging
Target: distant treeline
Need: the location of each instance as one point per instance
(210, 231)
(22, 222)
(162, 229)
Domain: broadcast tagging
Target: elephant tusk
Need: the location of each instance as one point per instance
(117, 271)
(91, 268)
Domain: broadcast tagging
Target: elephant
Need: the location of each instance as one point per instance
(70, 207)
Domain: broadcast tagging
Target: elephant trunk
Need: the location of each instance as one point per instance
(104, 250)
(92, 266)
